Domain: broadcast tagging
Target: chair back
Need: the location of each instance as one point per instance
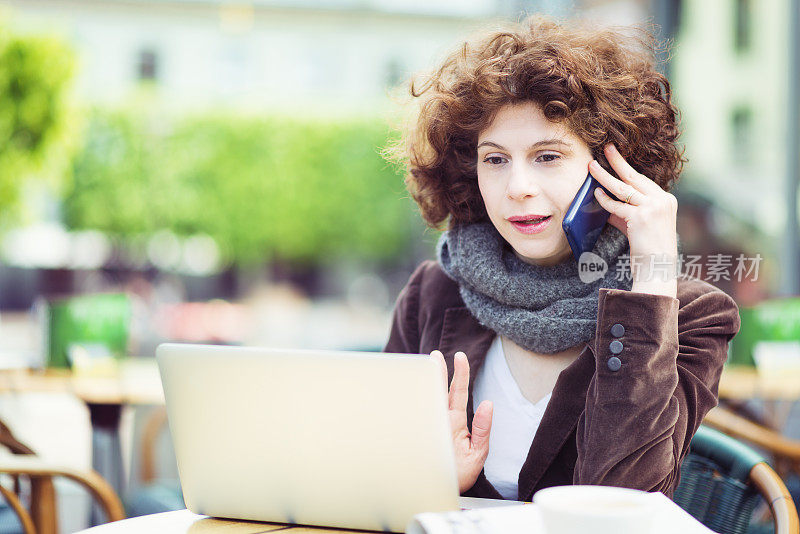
(714, 482)
(8, 441)
(723, 479)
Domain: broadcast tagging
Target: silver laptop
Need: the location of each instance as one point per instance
(339, 439)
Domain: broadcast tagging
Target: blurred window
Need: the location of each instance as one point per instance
(742, 131)
(743, 21)
(147, 69)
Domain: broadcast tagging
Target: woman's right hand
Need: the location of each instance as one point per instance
(471, 448)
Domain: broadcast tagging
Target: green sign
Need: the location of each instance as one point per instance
(772, 320)
(87, 324)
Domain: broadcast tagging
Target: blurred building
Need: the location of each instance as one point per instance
(272, 53)
(729, 74)
(254, 54)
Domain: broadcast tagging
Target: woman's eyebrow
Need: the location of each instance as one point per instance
(537, 144)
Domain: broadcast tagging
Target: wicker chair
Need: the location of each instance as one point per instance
(722, 480)
(41, 517)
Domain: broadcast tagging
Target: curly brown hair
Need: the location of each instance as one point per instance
(602, 82)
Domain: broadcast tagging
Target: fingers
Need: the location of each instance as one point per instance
(616, 208)
(617, 187)
(628, 173)
(439, 357)
(482, 427)
(636, 195)
(459, 394)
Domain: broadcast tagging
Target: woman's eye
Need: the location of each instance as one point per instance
(494, 160)
(547, 158)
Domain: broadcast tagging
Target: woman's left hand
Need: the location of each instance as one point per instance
(646, 214)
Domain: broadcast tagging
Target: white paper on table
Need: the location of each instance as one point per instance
(525, 518)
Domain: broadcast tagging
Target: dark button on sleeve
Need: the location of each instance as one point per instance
(614, 364)
(615, 347)
(617, 330)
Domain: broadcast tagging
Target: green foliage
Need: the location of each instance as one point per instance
(35, 121)
(296, 189)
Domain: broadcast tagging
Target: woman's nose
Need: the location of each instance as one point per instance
(522, 184)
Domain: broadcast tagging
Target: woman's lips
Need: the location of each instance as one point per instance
(532, 228)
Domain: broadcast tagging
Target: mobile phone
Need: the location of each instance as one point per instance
(585, 218)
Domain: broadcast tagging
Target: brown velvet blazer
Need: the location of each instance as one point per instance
(630, 427)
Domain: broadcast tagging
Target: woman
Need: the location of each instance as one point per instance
(552, 380)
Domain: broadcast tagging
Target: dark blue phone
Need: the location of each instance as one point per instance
(585, 218)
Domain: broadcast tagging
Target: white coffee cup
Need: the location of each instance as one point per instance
(596, 509)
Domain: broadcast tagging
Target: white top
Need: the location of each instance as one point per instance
(514, 420)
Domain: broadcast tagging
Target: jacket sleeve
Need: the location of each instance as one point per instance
(642, 410)
(404, 337)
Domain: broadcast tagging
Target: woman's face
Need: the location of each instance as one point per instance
(530, 167)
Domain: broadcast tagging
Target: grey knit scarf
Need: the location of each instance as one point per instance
(543, 309)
